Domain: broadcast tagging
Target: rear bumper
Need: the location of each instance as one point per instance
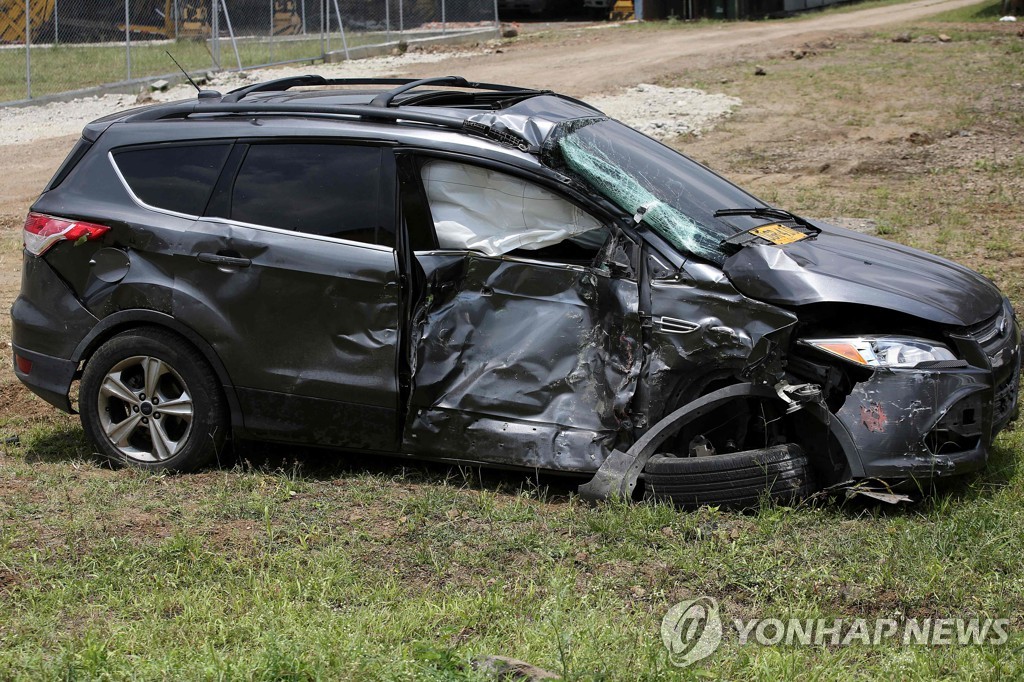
(47, 324)
(49, 377)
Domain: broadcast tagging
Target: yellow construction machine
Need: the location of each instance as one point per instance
(156, 18)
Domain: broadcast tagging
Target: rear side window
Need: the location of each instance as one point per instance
(329, 190)
(178, 178)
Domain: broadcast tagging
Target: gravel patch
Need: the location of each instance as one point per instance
(57, 119)
(665, 113)
(659, 112)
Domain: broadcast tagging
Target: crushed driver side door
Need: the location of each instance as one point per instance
(522, 361)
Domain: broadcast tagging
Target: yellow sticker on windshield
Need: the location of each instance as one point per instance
(778, 234)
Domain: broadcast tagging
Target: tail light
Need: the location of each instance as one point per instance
(43, 231)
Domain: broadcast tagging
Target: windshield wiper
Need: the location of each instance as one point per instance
(766, 211)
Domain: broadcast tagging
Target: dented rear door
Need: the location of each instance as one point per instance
(305, 318)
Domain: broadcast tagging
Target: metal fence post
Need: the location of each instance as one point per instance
(231, 32)
(271, 3)
(56, 23)
(303, 17)
(127, 39)
(215, 34)
(341, 27)
(497, 21)
(444, 23)
(28, 51)
(387, 20)
(327, 30)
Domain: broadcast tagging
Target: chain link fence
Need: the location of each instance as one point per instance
(50, 47)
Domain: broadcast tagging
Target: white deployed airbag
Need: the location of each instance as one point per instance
(494, 213)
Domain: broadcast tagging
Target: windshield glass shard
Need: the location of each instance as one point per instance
(680, 197)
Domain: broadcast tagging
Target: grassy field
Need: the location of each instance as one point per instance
(291, 565)
(985, 12)
(72, 67)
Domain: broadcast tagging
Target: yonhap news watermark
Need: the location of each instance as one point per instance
(694, 629)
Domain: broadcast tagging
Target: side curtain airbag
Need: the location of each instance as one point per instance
(494, 213)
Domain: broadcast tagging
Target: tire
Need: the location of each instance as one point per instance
(735, 481)
(150, 400)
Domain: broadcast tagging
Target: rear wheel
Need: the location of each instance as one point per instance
(150, 400)
(737, 480)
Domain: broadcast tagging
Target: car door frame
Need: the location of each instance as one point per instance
(290, 414)
(565, 453)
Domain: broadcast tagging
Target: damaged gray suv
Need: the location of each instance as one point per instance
(481, 273)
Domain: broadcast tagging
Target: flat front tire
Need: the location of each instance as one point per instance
(737, 480)
(150, 400)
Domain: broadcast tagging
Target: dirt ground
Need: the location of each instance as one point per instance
(599, 60)
(582, 60)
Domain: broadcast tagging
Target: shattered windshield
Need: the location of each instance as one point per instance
(638, 174)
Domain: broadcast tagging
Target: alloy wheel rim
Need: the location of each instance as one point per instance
(145, 409)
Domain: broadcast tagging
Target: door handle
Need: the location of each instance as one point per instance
(221, 259)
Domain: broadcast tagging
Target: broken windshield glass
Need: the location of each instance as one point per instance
(676, 196)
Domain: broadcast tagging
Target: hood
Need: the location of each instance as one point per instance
(842, 266)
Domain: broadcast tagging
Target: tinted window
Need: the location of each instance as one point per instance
(419, 226)
(178, 178)
(323, 189)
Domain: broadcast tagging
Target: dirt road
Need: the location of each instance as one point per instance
(599, 60)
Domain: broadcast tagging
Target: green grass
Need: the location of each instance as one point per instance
(383, 572)
(71, 67)
(982, 12)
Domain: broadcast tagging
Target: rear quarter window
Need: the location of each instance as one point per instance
(79, 150)
(176, 178)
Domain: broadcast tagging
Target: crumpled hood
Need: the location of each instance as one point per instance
(842, 266)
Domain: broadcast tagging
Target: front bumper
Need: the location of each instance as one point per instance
(936, 422)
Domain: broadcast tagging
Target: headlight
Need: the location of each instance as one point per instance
(884, 351)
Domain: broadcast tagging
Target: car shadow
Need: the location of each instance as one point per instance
(322, 464)
(69, 444)
(61, 444)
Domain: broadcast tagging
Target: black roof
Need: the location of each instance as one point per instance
(403, 100)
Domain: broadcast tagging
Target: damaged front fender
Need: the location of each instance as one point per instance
(618, 475)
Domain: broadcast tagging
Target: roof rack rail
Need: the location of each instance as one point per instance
(383, 100)
(277, 84)
(367, 111)
(386, 98)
